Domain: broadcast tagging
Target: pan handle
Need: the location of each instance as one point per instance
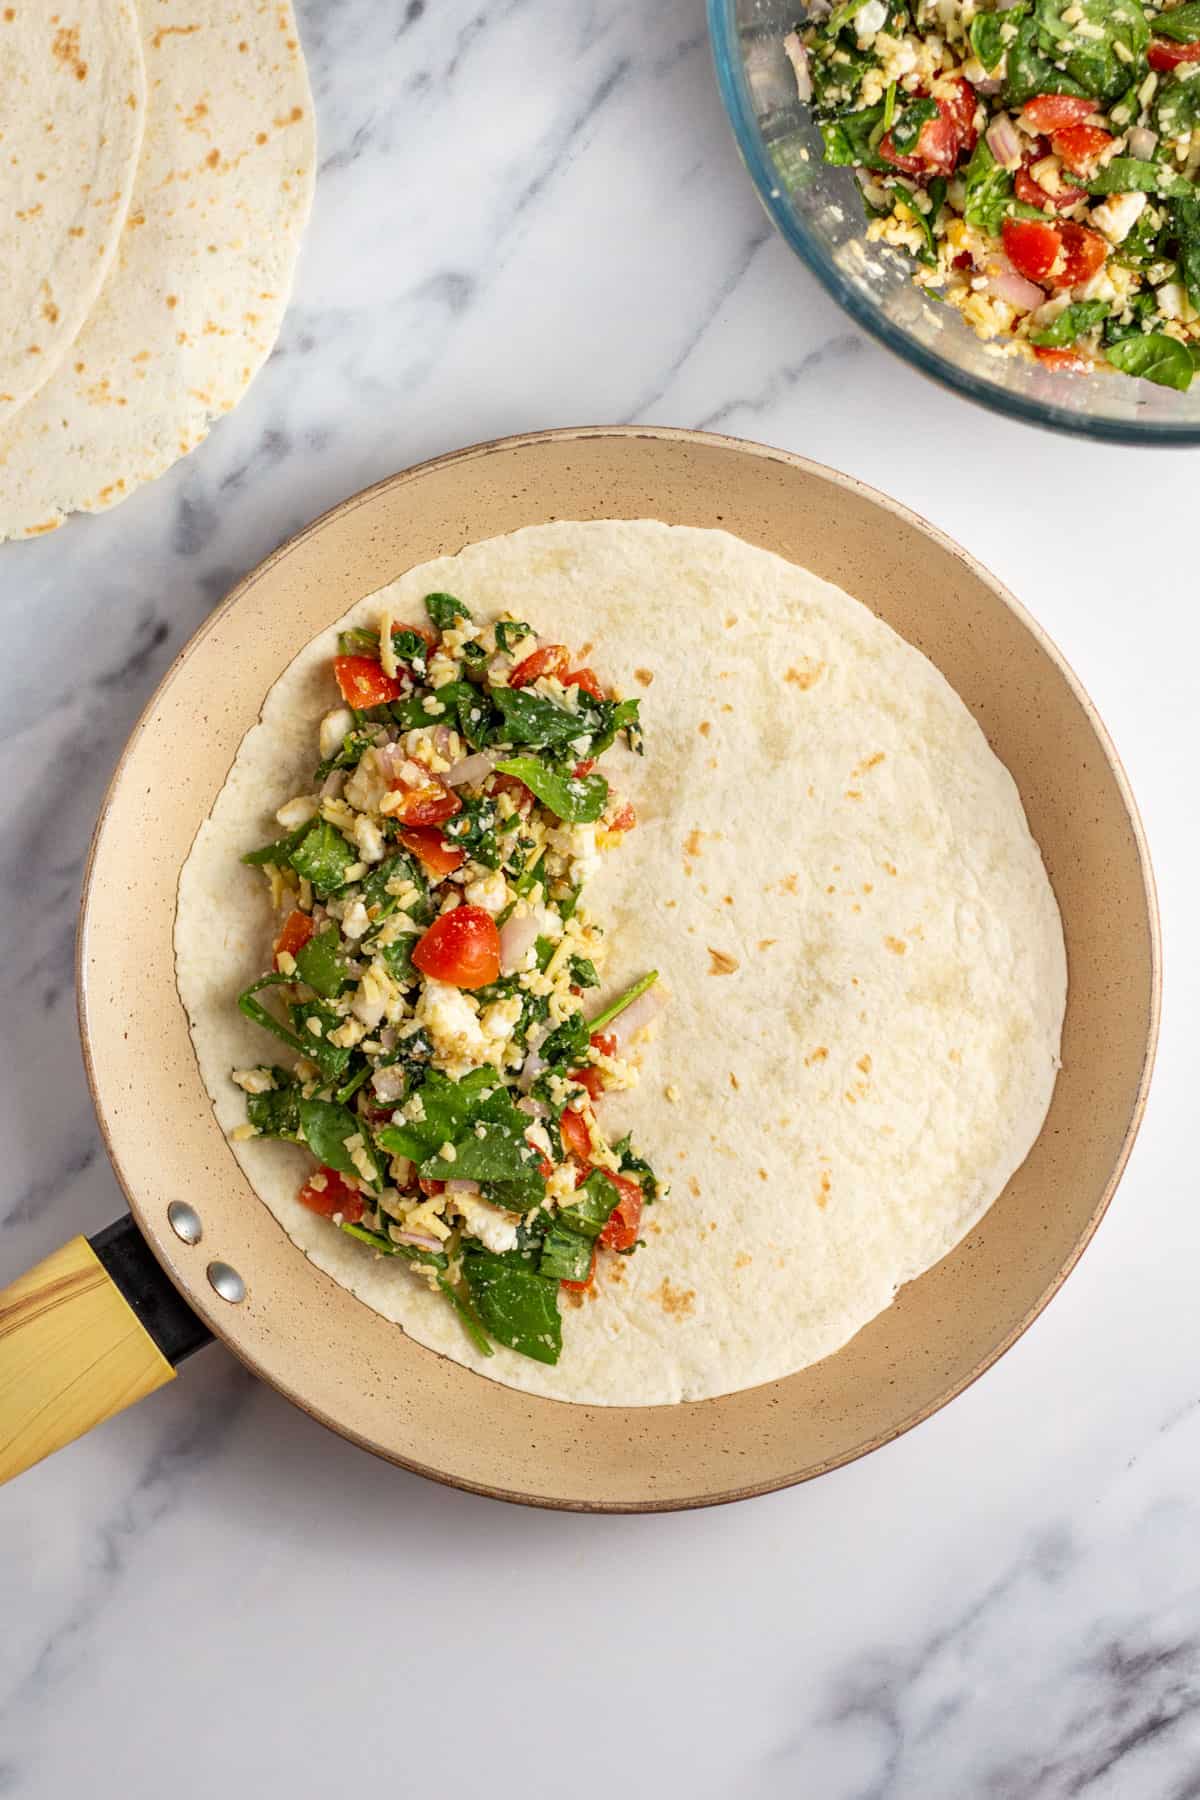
(93, 1328)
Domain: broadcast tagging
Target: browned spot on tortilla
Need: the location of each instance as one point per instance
(854, 793)
(166, 31)
(37, 530)
(790, 884)
(243, 46)
(712, 1224)
(743, 1260)
(50, 311)
(65, 48)
(762, 1174)
(676, 1302)
(870, 762)
(818, 1055)
(864, 1063)
(804, 677)
(725, 706)
(766, 943)
(616, 1269)
(33, 350)
(644, 676)
(890, 867)
(79, 368)
(733, 1080)
(826, 1184)
(728, 900)
(722, 963)
(730, 621)
(868, 887)
(693, 842)
(954, 1055)
(693, 1187)
(9, 14)
(831, 889)
(896, 945)
(572, 1296)
(213, 158)
(704, 728)
(856, 907)
(852, 1098)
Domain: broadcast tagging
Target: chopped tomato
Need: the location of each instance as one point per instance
(935, 151)
(1031, 247)
(964, 260)
(363, 682)
(1163, 54)
(1071, 361)
(581, 1287)
(551, 659)
(461, 947)
(589, 1077)
(297, 929)
(1031, 193)
(624, 819)
(584, 768)
(434, 854)
(960, 102)
(604, 1042)
(327, 1193)
(625, 1221)
(1084, 252)
(575, 1134)
(1051, 112)
(431, 804)
(545, 1166)
(429, 1187)
(587, 680)
(1079, 146)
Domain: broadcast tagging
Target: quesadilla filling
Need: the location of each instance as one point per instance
(434, 973)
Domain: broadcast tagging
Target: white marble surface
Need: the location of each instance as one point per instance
(532, 214)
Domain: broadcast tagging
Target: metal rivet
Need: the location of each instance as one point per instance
(227, 1282)
(184, 1221)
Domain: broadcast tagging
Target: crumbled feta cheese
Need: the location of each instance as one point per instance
(450, 1018)
(490, 892)
(254, 1081)
(334, 727)
(367, 785)
(490, 1224)
(1117, 216)
(355, 921)
(369, 839)
(298, 812)
(868, 20)
(499, 1020)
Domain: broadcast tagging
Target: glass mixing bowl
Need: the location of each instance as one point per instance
(820, 213)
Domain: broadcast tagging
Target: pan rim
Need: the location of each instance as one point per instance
(215, 1317)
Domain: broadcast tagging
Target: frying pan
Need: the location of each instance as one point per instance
(97, 1325)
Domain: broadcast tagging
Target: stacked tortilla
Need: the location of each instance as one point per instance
(155, 178)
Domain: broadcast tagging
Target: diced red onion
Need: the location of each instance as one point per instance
(638, 1015)
(1143, 142)
(1005, 284)
(1006, 5)
(474, 768)
(334, 782)
(388, 1038)
(462, 1187)
(517, 937)
(441, 741)
(389, 1082)
(418, 1239)
(1002, 139)
(992, 85)
(533, 1065)
(797, 55)
(390, 759)
(533, 1109)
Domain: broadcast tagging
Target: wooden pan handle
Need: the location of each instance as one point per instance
(72, 1353)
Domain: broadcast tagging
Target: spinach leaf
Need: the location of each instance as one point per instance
(386, 1246)
(458, 704)
(279, 852)
(493, 1150)
(326, 1126)
(331, 1059)
(1143, 307)
(443, 609)
(1155, 357)
(1182, 23)
(851, 138)
(253, 1008)
(1071, 324)
(396, 869)
(534, 720)
(617, 1006)
(987, 190)
(1032, 72)
(907, 128)
(396, 957)
(525, 879)
(448, 1108)
(604, 720)
(467, 1316)
(592, 1205)
(1133, 175)
(518, 1306)
(566, 1255)
(987, 37)
(351, 751)
(925, 221)
(509, 633)
(640, 1169)
(320, 963)
(1177, 103)
(410, 647)
(474, 829)
(578, 799)
(583, 972)
(1185, 223)
(322, 856)
(276, 1113)
(567, 1042)
(1094, 61)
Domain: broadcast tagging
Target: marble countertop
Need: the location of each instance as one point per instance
(530, 215)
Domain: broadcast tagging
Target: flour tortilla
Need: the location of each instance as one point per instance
(196, 295)
(72, 112)
(817, 808)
